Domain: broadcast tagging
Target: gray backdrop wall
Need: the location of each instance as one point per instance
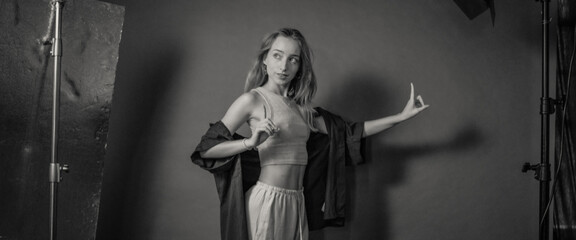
(451, 173)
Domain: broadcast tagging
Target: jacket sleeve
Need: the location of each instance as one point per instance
(233, 175)
(348, 133)
(344, 141)
(354, 143)
(216, 134)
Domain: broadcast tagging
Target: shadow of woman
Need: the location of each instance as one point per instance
(366, 98)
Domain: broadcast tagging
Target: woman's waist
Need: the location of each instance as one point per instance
(283, 176)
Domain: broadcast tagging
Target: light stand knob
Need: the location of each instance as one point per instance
(541, 171)
(65, 168)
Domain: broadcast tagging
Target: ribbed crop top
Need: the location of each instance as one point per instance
(287, 146)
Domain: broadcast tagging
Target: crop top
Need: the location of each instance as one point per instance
(288, 145)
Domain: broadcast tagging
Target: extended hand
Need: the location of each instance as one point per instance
(414, 105)
(263, 129)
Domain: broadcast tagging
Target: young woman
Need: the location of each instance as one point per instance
(276, 106)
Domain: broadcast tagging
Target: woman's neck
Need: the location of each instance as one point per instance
(276, 89)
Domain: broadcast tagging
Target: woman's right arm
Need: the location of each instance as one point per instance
(243, 108)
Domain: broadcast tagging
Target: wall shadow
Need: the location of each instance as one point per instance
(367, 97)
(141, 87)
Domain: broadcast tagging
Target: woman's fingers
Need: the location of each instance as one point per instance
(419, 102)
(415, 104)
(265, 126)
(411, 91)
(266, 129)
(271, 126)
(421, 105)
(422, 101)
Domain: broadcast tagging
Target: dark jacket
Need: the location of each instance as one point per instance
(324, 180)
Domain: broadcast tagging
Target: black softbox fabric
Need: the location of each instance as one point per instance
(564, 191)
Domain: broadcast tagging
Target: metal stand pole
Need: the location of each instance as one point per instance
(546, 110)
(55, 168)
(542, 170)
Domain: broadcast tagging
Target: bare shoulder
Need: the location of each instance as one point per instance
(320, 124)
(246, 99)
(242, 109)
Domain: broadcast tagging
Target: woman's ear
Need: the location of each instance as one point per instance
(265, 59)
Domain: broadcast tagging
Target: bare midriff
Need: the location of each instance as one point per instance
(284, 176)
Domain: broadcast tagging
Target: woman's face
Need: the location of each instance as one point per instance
(283, 60)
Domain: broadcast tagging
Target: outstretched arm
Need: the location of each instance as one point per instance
(412, 108)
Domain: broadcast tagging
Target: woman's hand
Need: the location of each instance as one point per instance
(413, 106)
(262, 130)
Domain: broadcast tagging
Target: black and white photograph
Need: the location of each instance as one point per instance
(287, 120)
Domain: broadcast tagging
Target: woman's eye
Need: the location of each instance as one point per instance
(294, 60)
(277, 56)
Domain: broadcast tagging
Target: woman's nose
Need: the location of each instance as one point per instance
(284, 65)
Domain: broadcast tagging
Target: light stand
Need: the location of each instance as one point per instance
(542, 170)
(55, 167)
(547, 108)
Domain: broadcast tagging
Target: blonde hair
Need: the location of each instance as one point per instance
(303, 87)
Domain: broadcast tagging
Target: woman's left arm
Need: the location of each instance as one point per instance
(414, 106)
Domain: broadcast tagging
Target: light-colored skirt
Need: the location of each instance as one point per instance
(276, 213)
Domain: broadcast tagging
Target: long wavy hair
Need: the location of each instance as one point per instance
(303, 87)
